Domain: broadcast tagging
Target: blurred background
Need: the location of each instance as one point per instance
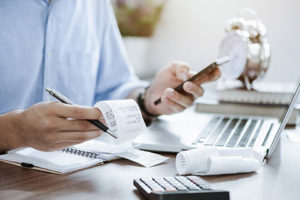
(191, 31)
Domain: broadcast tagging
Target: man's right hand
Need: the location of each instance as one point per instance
(52, 126)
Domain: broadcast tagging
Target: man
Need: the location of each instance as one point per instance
(75, 47)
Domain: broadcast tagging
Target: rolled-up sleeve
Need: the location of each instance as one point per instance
(116, 78)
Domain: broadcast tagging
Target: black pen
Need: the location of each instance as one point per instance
(65, 100)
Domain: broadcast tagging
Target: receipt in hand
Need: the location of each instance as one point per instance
(123, 117)
(213, 161)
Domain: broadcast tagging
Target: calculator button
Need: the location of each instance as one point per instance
(166, 185)
(179, 186)
(196, 179)
(190, 185)
(152, 184)
(200, 182)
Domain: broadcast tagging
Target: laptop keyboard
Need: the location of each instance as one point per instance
(221, 142)
(243, 142)
(208, 129)
(231, 132)
(214, 135)
(237, 133)
(255, 135)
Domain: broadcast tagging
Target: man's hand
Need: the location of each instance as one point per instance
(171, 100)
(52, 126)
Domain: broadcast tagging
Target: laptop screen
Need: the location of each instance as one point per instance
(284, 118)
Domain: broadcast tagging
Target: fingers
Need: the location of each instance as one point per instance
(170, 106)
(183, 100)
(72, 137)
(74, 112)
(63, 124)
(174, 102)
(193, 89)
(180, 70)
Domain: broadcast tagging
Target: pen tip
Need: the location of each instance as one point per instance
(48, 89)
(111, 133)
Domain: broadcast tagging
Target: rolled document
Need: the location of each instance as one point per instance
(213, 161)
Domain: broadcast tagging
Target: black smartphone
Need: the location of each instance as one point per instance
(200, 74)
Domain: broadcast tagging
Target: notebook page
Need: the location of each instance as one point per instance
(56, 161)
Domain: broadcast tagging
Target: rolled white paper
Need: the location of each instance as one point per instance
(194, 161)
(231, 165)
(213, 161)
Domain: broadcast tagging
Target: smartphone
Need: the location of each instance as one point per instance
(199, 75)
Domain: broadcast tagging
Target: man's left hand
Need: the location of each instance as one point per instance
(171, 100)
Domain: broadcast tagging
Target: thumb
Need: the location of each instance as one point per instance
(182, 71)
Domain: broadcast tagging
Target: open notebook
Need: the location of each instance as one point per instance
(58, 162)
(122, 116)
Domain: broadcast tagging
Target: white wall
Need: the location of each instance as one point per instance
(190, 30)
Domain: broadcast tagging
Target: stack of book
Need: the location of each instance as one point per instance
(266, 99)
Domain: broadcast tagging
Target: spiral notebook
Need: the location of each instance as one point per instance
(266, 93)
(59, 162)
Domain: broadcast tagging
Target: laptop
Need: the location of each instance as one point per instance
(190, 130)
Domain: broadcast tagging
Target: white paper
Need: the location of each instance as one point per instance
(124, 119)
(102, 147)
(147, 159)
(124, 150)
(231, 165)
(213, 161)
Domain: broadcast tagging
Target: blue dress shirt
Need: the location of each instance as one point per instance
(73, 46)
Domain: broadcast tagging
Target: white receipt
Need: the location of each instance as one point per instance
(124, 119)
(124, 150)
(213, 161)
(147, 159)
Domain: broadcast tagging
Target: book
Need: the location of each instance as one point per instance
(58, 162)
(225, 108)
(262, 93)
(81, 156)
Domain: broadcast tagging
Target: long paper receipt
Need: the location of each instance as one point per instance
(213, 161)
(124, 119)
(124, 150)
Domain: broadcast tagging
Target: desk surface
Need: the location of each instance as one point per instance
(278, 179)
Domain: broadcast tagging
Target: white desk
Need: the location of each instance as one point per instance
(278, 179)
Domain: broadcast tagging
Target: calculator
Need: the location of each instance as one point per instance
(178, 188)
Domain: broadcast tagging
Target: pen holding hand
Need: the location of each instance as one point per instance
(65, 100)
(50, 126)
